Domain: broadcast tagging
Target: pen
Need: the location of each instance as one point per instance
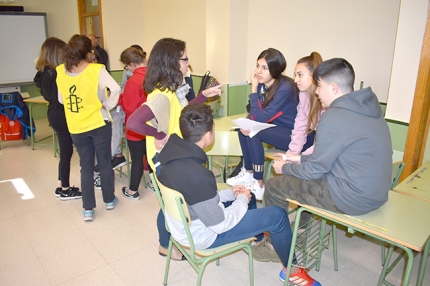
(417, 175)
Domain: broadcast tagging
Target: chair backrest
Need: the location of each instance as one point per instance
(173, 203)
(396, 171)
(171, 198)
(158, 193)
(167, 200)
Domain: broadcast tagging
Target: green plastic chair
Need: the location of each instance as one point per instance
(396, 172)
(173, 203)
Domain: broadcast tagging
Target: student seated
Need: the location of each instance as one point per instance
(274, 99)
(309, 109)
(213, 224)
(349, 170)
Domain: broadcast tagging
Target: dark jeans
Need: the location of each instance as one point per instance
(164, 235)
(98, 142)
(310, 192)
(65, 144)
(253, 150)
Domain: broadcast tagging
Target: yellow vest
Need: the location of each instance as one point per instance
(175, 112)
(81, 102)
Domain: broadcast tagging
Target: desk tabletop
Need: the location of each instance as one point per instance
(403, 219)
(226, 143)
(37, 99)
(225, 124)
(417, 184)
(226, 140)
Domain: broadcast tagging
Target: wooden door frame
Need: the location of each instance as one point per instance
(82, 23)
(416, 139)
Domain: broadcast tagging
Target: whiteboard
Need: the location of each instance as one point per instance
(22, 35)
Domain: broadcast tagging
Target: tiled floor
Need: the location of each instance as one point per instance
(45, 241)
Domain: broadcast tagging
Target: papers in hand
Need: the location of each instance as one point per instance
(252, 125)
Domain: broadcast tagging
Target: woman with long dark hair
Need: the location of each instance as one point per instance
(158, 118)
(274, 99)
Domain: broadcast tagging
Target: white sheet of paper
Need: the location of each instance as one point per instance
(252, 125)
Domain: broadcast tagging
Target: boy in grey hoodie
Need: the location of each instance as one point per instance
(350, 169)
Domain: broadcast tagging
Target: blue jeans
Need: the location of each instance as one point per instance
(95, 142)
(271, 219)
(118, 117)
(164, 235)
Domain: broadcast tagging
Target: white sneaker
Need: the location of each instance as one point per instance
(242, 178)
(258, 191)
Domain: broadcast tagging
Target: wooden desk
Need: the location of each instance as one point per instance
(395, 222)
(39, 100)
(417, 184)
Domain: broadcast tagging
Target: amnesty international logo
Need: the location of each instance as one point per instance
(74, 101)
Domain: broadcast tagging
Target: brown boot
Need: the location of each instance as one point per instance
(176, 254)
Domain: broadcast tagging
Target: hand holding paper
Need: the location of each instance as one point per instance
(252, 125)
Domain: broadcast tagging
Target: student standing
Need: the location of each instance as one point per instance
(82, 89)
(51, 55)
(104, 58)
(131, 99)
(158, 118)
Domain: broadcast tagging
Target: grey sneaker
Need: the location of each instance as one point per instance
(263, 253)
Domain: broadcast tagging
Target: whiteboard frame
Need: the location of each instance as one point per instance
(45, 20)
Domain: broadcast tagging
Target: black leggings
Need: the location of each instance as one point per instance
(65, 144)
(137, 153)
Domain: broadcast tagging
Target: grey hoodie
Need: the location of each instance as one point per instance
(353, 151)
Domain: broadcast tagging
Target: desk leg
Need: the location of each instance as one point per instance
(320, 244)
(423, 264)
(54, 142)
(334, 235)
(293, 246)
(386, 263)
(31, 125)
(210, 162)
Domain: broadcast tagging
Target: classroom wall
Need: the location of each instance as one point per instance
(144, 22)
(411, 27)
(122, 27)
(62, 15)
(363, 32)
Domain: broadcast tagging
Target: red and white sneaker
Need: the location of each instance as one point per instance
(301, 277)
